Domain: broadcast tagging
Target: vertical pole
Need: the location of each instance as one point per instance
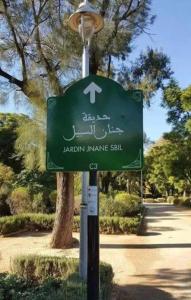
(85, 183)
(93, 239)
(142, 186)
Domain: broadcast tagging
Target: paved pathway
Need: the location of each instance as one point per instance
(158, 265)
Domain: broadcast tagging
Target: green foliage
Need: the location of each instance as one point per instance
(6, 174)
(112, 182)
(35, 180)
(176, 201)
(119, 225)
(38, 268)
(13, 287)
(30, 144)
(4, 207)
(122, 205)
(186, 202)
(44, 222)
(6, 179)
(149, 72)
(77, 202)
(168, 161)
(168, 165)
(113, 225)
(171, 199)
(40, 186)
(161, 200)
(42, 269)
(77, 183)
(40, 203)
(10, 224)
(20, 201)
(52, 198)
(177, 101)
(183, 201)
(8, 135)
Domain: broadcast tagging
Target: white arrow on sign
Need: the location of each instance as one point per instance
(92, 88)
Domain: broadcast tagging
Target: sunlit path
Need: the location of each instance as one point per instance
(159, 263)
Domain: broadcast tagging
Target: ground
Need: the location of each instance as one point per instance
(155, 266)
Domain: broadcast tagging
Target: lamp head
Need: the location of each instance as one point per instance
(86, 21)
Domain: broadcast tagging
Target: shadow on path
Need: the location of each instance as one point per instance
(144, 246)
(158, 286)
(139, 292)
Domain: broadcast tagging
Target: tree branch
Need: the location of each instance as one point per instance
(50, 68)
(104, 7)
(20, 51)
(11, 79)
(109, 67)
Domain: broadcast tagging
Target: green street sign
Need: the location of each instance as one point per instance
(95, 125)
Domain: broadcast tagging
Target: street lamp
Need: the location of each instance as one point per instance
(86, 21)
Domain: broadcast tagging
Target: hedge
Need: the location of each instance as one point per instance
(183, 201)
(44, 222)
(38, 269)
(120, 205)
(15, 288)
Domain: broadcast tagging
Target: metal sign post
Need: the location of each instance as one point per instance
(93, 239)
(87, 21)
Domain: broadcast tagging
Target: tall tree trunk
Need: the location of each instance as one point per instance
(62, 230)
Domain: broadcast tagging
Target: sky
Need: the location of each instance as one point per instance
(171, 33)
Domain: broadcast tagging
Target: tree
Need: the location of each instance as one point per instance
(6, 178)
(168, 166)
(8, 136)
(178, 103)
(37, 60)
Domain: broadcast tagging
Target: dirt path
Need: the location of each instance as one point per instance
(156, 266)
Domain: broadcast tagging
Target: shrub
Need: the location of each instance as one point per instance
(41, 222)
(107, 207)
(44, 222)
(176, 201)
(39, 269)
(170, 199)
(13, 223)
(4, 207)
(119, 225)
(20, 201)
(77, 202)
(122, 205)
(185, 201)
(13, 287)
(77, 183)
(126, 197)
(37, 204)
(52, 198)
(149, 200)
(161, 200)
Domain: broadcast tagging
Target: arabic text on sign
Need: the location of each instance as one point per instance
(92, 130)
